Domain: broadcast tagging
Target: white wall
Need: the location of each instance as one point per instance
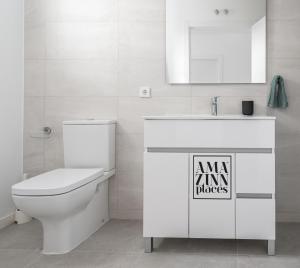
(11, 100)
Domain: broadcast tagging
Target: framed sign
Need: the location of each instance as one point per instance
(212, 176)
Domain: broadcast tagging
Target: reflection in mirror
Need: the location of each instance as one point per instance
(216, 41)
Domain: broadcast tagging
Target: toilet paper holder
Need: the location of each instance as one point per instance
(45, 133)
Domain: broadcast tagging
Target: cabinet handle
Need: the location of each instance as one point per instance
(254, 196)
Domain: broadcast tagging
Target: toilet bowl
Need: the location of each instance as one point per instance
(70, 203)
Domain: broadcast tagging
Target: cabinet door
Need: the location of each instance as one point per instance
(255, 173)
(212, 199)
(255, 219)
(166, 195)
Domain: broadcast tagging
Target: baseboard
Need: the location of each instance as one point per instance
(7, 220)
(288, 217)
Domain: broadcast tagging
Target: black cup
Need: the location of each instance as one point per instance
(247, 107)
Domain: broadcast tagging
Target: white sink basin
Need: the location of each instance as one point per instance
(207, 117)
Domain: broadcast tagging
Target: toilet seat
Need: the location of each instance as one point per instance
(56, 182)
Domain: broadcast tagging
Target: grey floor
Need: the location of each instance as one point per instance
(120, 244)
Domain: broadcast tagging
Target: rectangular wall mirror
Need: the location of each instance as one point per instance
(216, 41)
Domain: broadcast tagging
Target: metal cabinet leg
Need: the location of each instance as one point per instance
(271, 247)
(148, 244)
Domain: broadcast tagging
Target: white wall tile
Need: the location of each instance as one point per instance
(81, 40)
(34, 11)
(130, 192)
(144, 40)
(54, 156)
(141, 10)
(130, 199)
(228, 105)
(130, 152)
(131, 110)
(134, 73)
(33, 155)
(288, 155)
(33, 114)
(284, 39)
(201, 105)
(33, 146)
(288, 198)
(78, 10)
(230, 90)
(58, 109)
(288, 119)
(113, 197)
(81, 77)
(233, 105)
(283, 9)
(35, 40)
(34, 84)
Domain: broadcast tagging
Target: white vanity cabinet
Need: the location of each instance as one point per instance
(209, 177)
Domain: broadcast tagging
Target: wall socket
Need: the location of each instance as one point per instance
(145, 92)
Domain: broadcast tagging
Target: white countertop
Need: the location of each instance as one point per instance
(207, 117)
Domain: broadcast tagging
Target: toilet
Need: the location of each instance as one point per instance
(72, 202)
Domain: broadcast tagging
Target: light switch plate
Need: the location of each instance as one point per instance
(145, 92)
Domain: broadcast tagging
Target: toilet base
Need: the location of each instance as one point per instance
(62, 236)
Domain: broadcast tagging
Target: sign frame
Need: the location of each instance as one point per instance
(230, 177)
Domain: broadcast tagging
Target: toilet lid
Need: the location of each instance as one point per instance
(56, 182)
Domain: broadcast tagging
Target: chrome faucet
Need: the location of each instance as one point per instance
(214, 105)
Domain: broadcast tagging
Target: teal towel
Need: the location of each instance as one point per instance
(278, 98)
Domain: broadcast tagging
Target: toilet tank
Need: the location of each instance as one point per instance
(89, 144)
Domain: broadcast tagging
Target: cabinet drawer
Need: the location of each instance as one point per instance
(255, 173)
(209, 134)
(255, 219)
